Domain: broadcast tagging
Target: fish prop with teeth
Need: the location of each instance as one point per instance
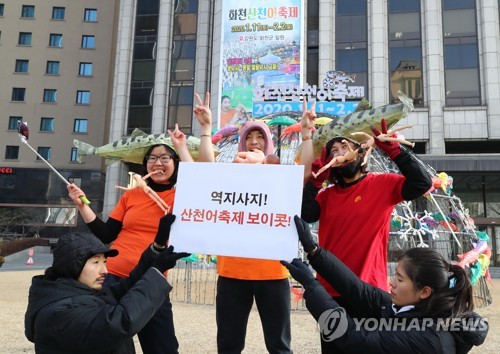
(359, 121)
(132, 149)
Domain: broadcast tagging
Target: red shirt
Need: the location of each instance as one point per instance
(354, 225)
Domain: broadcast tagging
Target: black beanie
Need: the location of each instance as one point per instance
(73, 250)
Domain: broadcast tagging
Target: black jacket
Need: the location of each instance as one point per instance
(66, 316)
(364, 301)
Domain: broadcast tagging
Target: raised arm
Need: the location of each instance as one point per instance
(203, 114)
(307, 124)
(178, 139)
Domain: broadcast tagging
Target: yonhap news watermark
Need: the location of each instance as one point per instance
(333, 324)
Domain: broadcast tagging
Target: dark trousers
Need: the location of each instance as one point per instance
(158, 335)
(233, 304)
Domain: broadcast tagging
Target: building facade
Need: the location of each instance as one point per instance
(56, 68)
(443, 54)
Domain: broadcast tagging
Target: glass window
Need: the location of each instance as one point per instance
(52, 67)
(349, 7)
(1, 9)
(404, 6)
(183, 69)
(141, 96)
(85, 69)
(44, 151)
(185, 24)
(144, 50)
(90, 15)
(50, 95)
(143, 70)
(461, 53)
(22, 65)
(80, 125)
(148, 7)
(183, 6)
(28, 11)
(11, 152)
(24, 38)
(18, 94)
(58, 13)
(55, 40)
(184, 49)
(74, 154)
(47, 124)
(88, 41)
(181, 95)
(13, 122)
(492, 185)
(83, 97)
(140, 117)
(146, 25)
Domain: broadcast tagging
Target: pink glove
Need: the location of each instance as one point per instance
(316, 166)
(391, 148)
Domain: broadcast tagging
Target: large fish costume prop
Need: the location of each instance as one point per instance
(132, 149)
(359, 121)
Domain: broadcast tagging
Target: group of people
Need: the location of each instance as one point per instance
(92, 290)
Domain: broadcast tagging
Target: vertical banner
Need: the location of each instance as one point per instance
(262, 44)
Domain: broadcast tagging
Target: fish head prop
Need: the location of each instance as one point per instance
(133, 148)
(359, 121)
(23, 130)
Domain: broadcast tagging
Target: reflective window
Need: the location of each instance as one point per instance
(50, 95)
(28, 11)
(74, 154)
(13, 122)
(58, 13)
(46, 124)
(461, 54)
(146, 25)
(55, 40)
(183, 6)
(88, 42)
(143, 70)
(184, 49)
(405, 50)
(11, 152)
(1, 9)
(144, 50)
(141, 96)
(140, 117)
(182, 69)
(24, 38)
(145, 7)
(90, 15)
(185, 23)
(80, 125)
(351, 55)
(52, 68)
(44, 151)
(22, 65)
(85, 69)
(83, 97)
(18, 94)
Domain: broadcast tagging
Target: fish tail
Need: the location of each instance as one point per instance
(408, 102)
(84, 149)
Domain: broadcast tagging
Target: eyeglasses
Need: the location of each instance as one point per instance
(154, 158)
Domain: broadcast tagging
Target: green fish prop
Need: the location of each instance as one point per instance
(132, 149)
(360, 121)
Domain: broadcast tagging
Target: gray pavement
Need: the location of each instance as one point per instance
(42, 259)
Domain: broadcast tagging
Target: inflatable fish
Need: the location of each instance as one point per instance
(132, 149)
(360, 121)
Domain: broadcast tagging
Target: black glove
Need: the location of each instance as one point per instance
(167, 259)
(304, 234)
(164, 230)
(300, 271)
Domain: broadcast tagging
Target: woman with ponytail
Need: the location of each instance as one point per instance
(429, 308)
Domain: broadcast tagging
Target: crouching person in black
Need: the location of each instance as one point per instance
(69, 311)
(428, 309)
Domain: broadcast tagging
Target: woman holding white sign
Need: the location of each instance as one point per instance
(241, 280)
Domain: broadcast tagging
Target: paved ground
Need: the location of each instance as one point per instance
(195, 324)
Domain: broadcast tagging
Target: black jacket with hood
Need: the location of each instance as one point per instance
(364, 301)
(66, 316)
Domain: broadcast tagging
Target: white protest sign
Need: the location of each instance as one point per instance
(242, 210)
